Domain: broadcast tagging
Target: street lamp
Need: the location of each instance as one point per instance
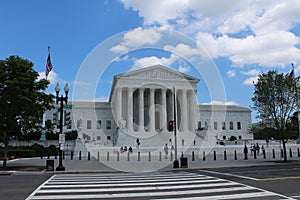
(61, 99)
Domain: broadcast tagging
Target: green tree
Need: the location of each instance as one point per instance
(274, 99)
(22, 100)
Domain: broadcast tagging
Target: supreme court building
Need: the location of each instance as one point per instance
(141, 104)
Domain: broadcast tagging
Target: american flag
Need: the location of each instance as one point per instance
(48, 65)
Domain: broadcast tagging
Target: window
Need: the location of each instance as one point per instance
(224, 137)
(216, 125)
(239, 127)
(79, 124)
(223, 126)
(231, 125)
(240, 137)
(108, 124)
(99, 124)
(89, 124)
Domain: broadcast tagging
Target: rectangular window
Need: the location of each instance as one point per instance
(99, 124)
(223, 126)
(239, 126)
(89, 124)
(216, 125)
(231, 125)
(108, 124)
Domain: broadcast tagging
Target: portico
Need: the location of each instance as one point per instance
(142, 100)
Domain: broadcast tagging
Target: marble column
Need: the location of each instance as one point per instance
(164, 108)
(141, 109)
(152, 110)
(119, 106)
(130, 110)
(184, 110)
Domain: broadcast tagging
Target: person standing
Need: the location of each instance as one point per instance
(245, 152)
(166, 149)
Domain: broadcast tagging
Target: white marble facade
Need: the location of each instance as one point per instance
(142, 102)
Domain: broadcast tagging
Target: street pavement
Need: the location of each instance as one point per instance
(143, 161)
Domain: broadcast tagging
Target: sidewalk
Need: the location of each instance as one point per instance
(144, 161)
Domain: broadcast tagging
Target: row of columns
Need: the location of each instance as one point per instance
(124, 97)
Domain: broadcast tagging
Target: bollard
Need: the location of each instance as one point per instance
(159, 156)
(203, 155)
(273, 151)
(89, 156)
(98, 156)
(215, 155)
(264, 154)
(235, 156)
(193, 156)
(72, 154)
(254, 154)
(41, 155)
(182, 155)
(225, 155)
(298, 152)
(139, 156)
(149, 156)
(291, 153)
(79, 155)
(128, 156)
(107, 156)
(118, 156)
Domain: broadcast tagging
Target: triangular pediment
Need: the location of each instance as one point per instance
(157, 72)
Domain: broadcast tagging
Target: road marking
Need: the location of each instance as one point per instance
(190, 186)
(229, 174)
(280, 178)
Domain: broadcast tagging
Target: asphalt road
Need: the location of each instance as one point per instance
(20, 185)
(282, 178)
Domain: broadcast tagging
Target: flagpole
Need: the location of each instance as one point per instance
(44, 114)
(47, 61)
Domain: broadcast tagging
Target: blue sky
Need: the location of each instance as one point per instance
(237, 39)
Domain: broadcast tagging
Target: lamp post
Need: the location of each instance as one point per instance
(61, 99)
(175, 163)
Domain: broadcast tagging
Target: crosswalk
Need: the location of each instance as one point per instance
(155, 185)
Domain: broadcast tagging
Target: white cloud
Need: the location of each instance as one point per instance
(251, 72)
(231, 73)
(184, 69)
(246, 32)
(137, 38)
(52, 77)
(183, 50)
(221, 103)
(152, 60)
(250, 81)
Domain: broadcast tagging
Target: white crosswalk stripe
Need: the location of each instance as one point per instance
(156, 185)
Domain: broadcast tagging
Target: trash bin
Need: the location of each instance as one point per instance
(49, 165)
(184, 162)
